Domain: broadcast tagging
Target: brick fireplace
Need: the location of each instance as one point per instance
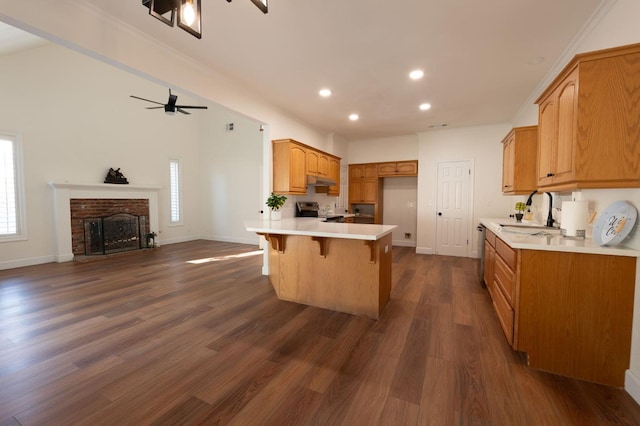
(95, 221)
(75, 202)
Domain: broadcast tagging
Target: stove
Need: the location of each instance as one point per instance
(311, 209)
(307, 209)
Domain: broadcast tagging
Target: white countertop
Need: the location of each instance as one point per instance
(314, 227)
(552, 241)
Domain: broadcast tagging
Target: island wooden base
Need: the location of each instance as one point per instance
(345, 275)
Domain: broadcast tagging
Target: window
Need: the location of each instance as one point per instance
(175, 192)
(12, 223)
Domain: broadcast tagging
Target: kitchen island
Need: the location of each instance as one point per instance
(344, 267)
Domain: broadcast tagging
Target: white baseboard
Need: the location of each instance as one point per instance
(253, 240)
(632, 385)
(164, 241)
(64, 257)
(28, 262)
(424, 250)
(403, 243)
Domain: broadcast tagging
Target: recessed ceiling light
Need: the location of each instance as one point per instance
(354, 117)
(416, 74)
(425, 107)
(325, 93)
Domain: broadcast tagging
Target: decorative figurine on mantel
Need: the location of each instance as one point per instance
(114, 176)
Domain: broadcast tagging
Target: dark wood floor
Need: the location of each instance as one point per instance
(192, 334)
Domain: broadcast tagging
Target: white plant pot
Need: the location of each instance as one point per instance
(276, 215)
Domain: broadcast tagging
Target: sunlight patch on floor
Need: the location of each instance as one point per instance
(221, 258)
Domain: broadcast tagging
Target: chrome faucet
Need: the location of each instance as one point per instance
(550, 215)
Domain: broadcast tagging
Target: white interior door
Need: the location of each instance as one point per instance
(452, 208)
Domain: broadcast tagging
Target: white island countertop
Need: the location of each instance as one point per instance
(549, 240)
(315, 227)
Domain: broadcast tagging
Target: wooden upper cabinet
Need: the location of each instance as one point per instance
(589, 132)
(289, 167)
(363, 171)
(293, 161)
(363, 183)
(323, 165)
(400, 168)
(519, 160)
(334, 174)
(312, 162)
(546, 141)
(508, 163)
(317, 163)
(557, 118)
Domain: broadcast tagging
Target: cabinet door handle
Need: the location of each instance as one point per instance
(550, 174)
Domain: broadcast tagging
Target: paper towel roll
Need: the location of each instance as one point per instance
(574, 218)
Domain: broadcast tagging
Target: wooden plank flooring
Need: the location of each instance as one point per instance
(191, 333)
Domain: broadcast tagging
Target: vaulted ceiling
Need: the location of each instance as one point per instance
(482, 60)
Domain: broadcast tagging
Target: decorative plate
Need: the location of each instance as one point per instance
(615, 223)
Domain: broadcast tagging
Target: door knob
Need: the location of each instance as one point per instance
(439, 213)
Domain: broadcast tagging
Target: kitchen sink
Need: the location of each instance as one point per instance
(528, 230)
(526, 225)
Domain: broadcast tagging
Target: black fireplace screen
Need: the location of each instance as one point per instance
(113, 234)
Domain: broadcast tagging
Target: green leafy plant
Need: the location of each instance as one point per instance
(520, 206)
(275, 201)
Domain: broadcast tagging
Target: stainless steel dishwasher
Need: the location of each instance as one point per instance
(481, 228)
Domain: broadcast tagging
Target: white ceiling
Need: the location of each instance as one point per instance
(477, 56)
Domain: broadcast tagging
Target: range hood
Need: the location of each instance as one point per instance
(319, 181)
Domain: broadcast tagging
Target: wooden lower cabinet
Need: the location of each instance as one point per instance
(571, 313)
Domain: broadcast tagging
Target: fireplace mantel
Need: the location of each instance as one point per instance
(63, 192)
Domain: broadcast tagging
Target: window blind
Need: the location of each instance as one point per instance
(8, 192)
(174, 181)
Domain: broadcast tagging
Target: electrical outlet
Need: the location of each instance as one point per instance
(407, 234)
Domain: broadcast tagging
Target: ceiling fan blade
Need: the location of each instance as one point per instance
(192, 107)
(148, 100)
(183, 111)
(155, 107)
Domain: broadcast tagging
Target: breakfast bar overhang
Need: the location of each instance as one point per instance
(344, 267)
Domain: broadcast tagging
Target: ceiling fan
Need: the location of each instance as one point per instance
(170, 107)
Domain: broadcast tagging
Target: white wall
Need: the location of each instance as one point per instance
(395, 148)
(231, 176)
(481, 146)
(400, 208)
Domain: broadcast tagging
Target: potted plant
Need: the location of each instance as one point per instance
(520, 207)
(274, 202)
